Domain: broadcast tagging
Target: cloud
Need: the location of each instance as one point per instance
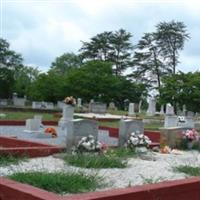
(43, 30)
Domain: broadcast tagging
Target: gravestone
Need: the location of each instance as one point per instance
(79, 102)
(98, 107)
(78, 128)
(112, 106)
(36, 104)
(90, 105)
(131, 109)
(169, 109)
(190, 114)
(162, 110)
(151, 107)
(3, 102)
(126, 127)
(170, 121)
(140, 106)
(49, 105)
(20, 102)
(60, 104)
(67, 115)
(171, 136)
(33, 125)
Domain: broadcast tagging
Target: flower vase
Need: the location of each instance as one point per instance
(189, 145)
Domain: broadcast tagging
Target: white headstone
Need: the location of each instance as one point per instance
(131, 109)
(126, 127)
(152, 107)
(162, 110)
(169, 109)
(78, 128)
(140, 106)
(33, 125)
(67, 115)
(170, 121)
(79, 102)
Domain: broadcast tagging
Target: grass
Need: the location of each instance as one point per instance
(6, 160)
(153, 126)
(113, 124)
(114, 158)
(189, 170)
(59, 182)
(26, 115)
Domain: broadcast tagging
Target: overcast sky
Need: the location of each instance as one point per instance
(41, 30)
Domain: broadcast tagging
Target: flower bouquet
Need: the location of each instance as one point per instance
(70, 101)
(190, 136)
(52, 131)
(89, 144)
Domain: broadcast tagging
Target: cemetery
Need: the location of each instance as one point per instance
(99, 100)
(119, 154)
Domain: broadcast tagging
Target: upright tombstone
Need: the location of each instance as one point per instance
(162, 110)
(98, 107)
(112, 106)
(169, 109)
(126, 127)
(36, 104)
(78, 128)
(170, 121)
(79, 102)
(90, 105)
(3, 102)
(33, 125)
(140, 106)
(152, 107)
(67, 115)
(131, 109)
(184, 110)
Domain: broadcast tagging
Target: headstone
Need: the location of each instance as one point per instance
(3, 102)
(98, 107)
(90, 105)
(162, 110)
(184, 109)
(171, 136)
(33, 125)
(20, 102)
(38, 117)
(169, 109)
(78, 128)
(111, 106)
(67, 115)
(140, 106)
(152, 107)
(190, 114)
(60, 104)
(49, 105)
(126, 127)
(170, 121)
(131, 109)
(126, 104)
(36, 104)
(79, 102)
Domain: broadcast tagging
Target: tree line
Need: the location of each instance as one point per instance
(107, 68)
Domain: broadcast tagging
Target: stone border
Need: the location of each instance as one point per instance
(31, 149)
(177, 190)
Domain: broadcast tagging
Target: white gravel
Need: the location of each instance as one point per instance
(138, 172)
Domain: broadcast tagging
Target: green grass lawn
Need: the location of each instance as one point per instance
(59, 182)
(27, 115)
(113, 158)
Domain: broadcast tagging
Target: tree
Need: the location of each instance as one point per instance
(171, 37)
(148, 62)
(24, 76)
(9, 60)
(65, 63)
(182, 89)
(112, 47)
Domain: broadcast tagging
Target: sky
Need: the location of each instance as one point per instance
(42, 30)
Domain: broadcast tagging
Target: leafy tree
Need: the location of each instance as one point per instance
(65, 63)
(9, 60)
(147, 61)
(113, 47)
(171, 37)
(182, 89)
(23, 78)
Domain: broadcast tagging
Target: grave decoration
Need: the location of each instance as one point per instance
(70, 101)
(190, 136)
(138, 140)
(90, 144)
(52, 131)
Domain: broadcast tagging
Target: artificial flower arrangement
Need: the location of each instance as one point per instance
(138, 140)
(191, 135)
(89, 144)
(52, 131)
(70, 100)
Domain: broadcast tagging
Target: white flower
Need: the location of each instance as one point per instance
(133, 134)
